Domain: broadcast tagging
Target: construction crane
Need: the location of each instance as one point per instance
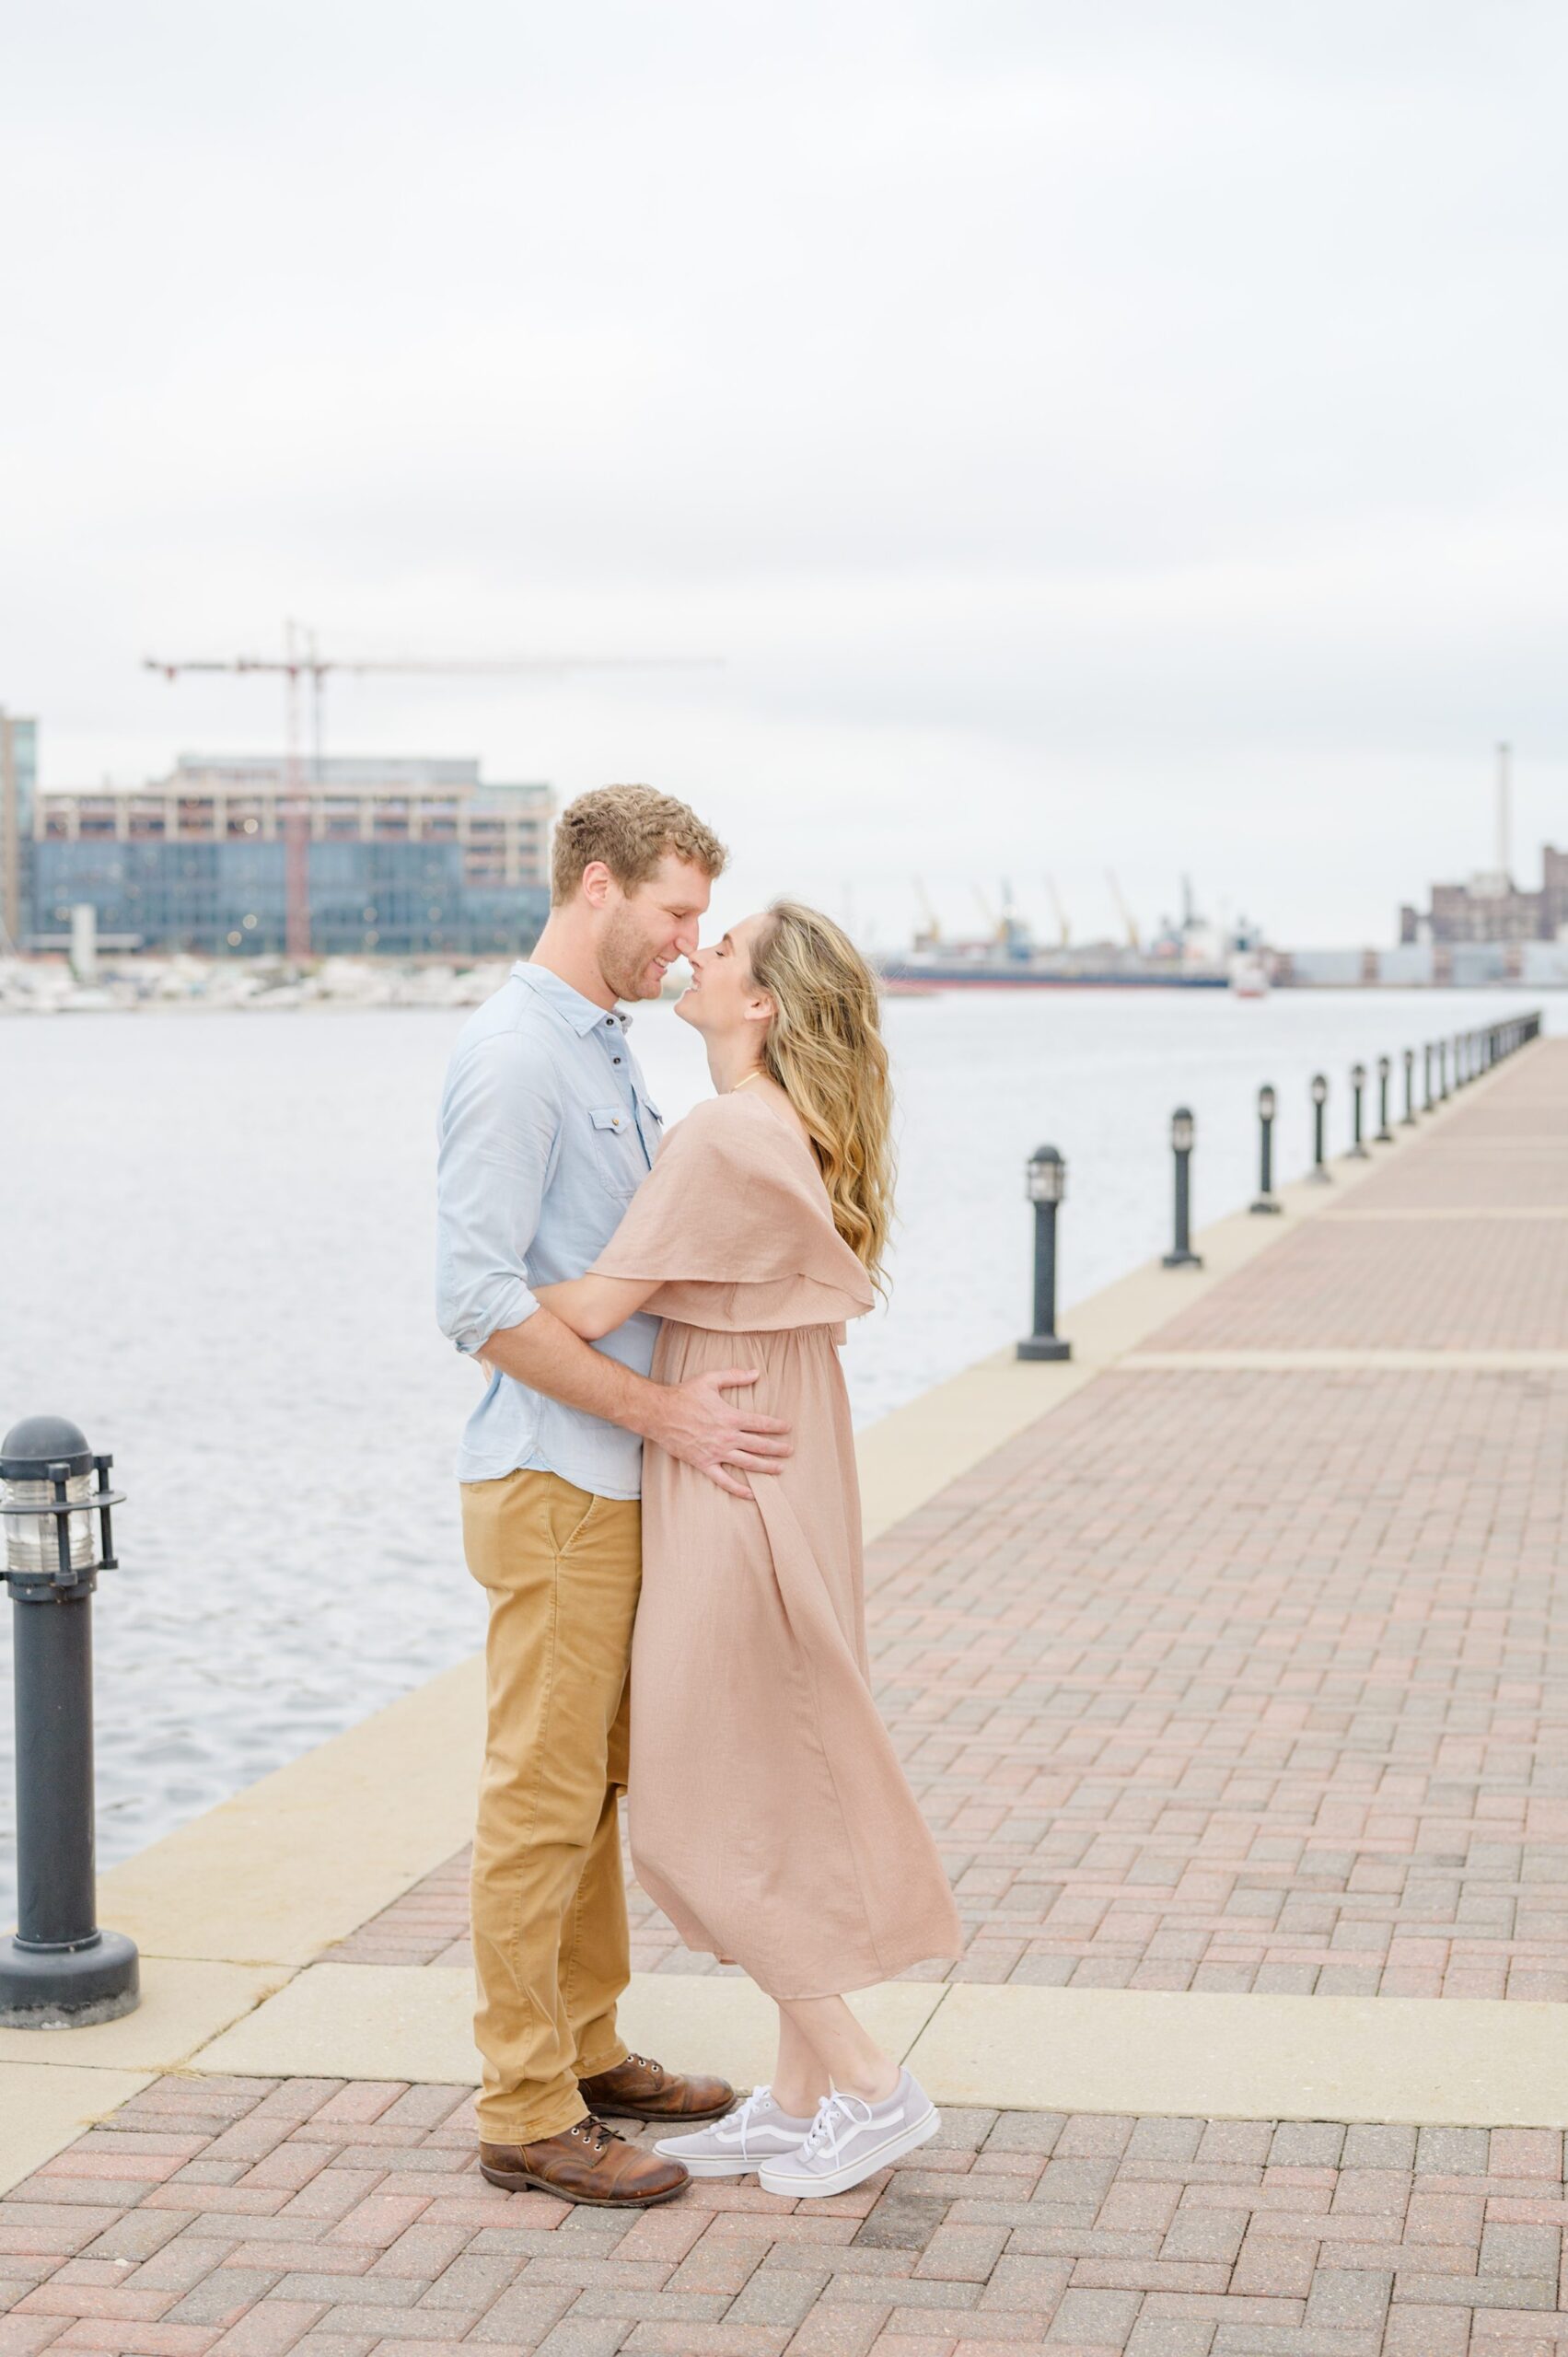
(1064, 929)
(301, 661)
(992, 922)
(931, 938)
(1128, 918)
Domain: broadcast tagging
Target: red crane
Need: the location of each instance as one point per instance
(301, 661)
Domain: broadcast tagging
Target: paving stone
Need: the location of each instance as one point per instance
(1095, 2318)
(1344, 2297)
(1452, 2152)
(1520, 2250)
(1379, 2148)
(1167, 2336)
(962, 2254)
(902, 2221)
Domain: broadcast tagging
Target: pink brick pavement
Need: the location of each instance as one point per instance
(249, 2218)
(1211, 1680)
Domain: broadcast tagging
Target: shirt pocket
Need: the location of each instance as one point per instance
(618, 1150)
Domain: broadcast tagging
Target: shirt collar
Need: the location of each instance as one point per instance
(579, 1011)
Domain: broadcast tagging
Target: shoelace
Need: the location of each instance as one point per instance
(740, 2121)
(836, 2113)
(594, 2134)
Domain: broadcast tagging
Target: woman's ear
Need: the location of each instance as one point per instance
(760, 1007)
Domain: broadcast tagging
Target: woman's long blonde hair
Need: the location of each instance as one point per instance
(825, 1051)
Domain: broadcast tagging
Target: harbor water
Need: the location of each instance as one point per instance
(216, 1247)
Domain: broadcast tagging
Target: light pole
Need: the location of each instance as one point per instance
(1320, 1170)
(1045, 1185)
(1385, 1135)
(1442, 1071)
(1408, 1121)
(1426, 1074)
(1267, 1200)
(58, 1970)
(1357, 1083)
(1183, 1130)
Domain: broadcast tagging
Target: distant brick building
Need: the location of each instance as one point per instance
(1491, 908)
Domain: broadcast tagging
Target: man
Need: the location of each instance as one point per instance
(546, 1131)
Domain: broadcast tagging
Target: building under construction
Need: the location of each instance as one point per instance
(405, 858)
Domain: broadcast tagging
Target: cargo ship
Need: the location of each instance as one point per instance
(1189, 955)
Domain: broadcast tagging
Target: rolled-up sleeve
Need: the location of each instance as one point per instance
(500, 1121)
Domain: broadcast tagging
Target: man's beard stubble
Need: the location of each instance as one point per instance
(624, 956)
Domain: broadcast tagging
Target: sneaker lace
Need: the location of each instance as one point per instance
(743, 2118)
(837, 2116)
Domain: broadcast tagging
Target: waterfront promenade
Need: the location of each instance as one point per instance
(1235, 1685)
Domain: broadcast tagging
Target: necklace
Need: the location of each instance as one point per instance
(747, 1079)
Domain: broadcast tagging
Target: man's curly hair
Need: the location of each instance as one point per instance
(631, 828)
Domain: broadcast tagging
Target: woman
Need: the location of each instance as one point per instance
(770, 1816)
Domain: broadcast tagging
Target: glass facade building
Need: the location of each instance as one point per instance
(18, 780)
(404, 858)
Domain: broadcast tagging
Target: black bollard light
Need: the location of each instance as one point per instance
(1426, 1076)
(1320, 1170)
(59, 1970)
(1045, 1184)
(1267, 1199)
(1407, 1120)
(1183, 1130)
(1357, 1083)
(1385, 1135)
(1442, 1071)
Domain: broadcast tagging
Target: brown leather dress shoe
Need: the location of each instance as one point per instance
(587, 2162)
(638, 2089)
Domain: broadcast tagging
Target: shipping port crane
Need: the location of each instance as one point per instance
(301, 662)
(1128, 918)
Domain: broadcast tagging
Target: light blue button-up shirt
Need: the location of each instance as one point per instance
(546, 1131)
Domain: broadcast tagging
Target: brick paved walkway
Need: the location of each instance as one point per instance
(248, 2218)
(1213, 1680)
(1255, 1681)
(1263, 1687)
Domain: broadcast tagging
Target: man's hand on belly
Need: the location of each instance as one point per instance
(720, 1438)
(688, 1420)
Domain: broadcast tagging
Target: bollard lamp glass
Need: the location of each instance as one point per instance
(1320, 1088)
(1358, 1076)
(1183, 1129)
(1047, 1175)
(33, 1544)
(1265, 1103)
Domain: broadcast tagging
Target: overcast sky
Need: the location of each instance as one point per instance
(1120, 434)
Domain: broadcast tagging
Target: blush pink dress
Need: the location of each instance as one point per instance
(770, 1816)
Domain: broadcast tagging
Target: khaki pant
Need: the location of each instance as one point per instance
(562, 1569)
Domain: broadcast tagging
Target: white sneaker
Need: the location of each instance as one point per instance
(753, 2133)
(849, 2140)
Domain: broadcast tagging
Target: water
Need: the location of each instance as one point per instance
(216, 1245)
